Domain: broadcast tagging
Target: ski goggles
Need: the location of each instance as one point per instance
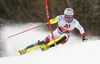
(68, 16)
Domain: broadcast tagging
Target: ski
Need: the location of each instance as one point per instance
(25, 50)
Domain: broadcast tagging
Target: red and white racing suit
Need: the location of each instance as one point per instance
(64, 27)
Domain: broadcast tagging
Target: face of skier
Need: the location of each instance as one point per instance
(68, 17)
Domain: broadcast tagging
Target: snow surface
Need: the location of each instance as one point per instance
(73, 52)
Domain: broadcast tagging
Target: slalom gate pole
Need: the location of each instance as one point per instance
(27, 30)
(49, 22)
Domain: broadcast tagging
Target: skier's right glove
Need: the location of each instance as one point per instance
(84, 39)
(53, 21)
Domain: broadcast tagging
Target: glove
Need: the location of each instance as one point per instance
(53, 21)
(84, 39)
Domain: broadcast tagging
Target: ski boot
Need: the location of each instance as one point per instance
(23, 51)
(46, 47)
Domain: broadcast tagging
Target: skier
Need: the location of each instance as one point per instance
(66, 24)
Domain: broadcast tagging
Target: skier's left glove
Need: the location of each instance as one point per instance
(84, 39)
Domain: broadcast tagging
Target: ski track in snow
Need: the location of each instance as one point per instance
(74, 51)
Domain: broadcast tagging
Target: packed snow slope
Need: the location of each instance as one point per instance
(81, 53)
(73, 52)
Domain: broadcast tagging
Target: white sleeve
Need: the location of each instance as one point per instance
(80, 28)
(59, 18)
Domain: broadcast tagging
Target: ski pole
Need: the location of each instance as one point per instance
(27, 30)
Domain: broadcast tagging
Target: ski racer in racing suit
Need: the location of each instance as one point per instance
(66, 24)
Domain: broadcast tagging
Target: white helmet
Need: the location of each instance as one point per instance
(69, 11)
